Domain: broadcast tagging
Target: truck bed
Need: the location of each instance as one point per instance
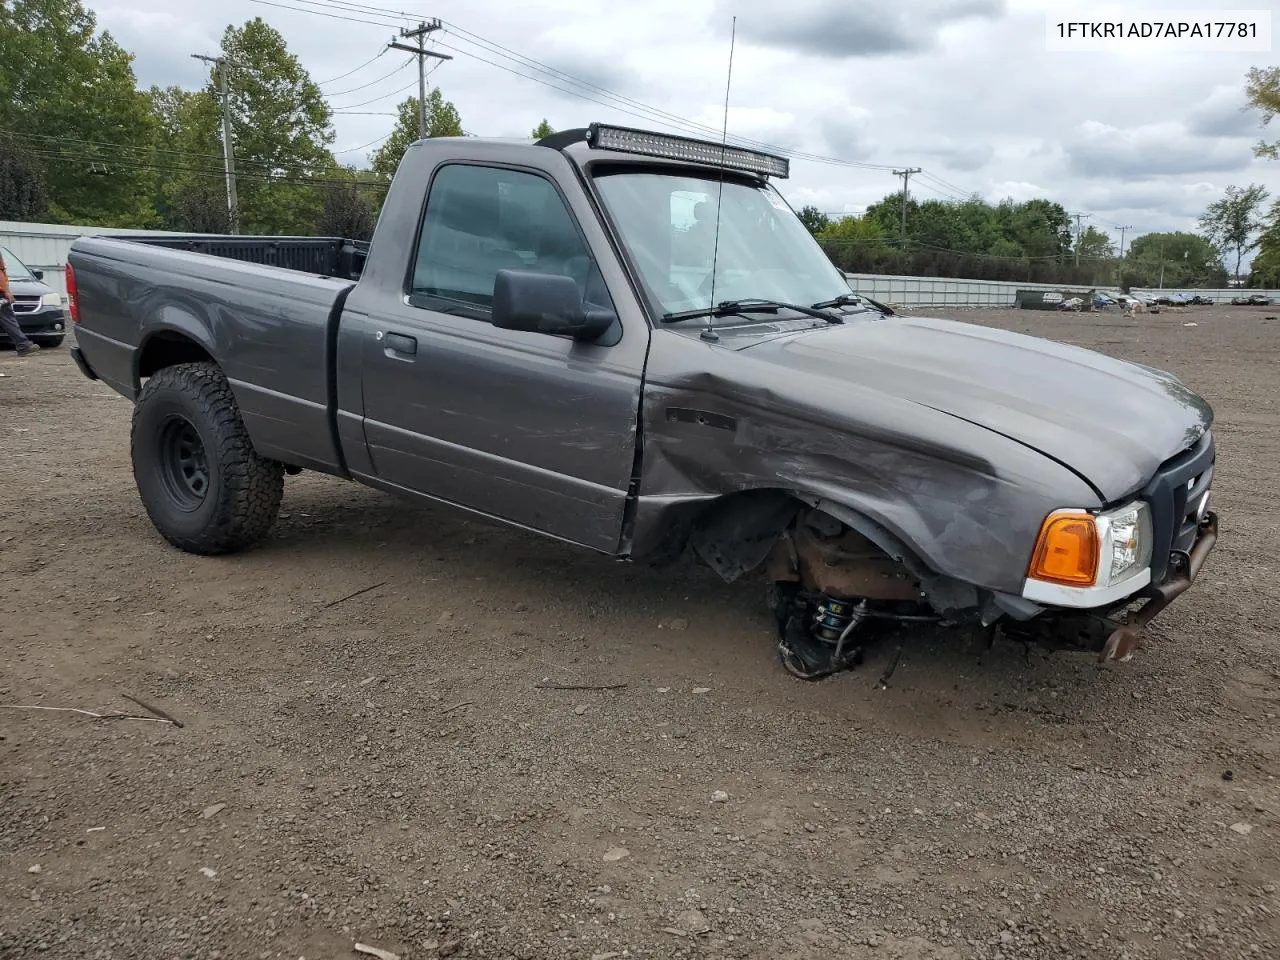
(273, 328)
(321, 256)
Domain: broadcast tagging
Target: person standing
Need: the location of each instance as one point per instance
(8, 319)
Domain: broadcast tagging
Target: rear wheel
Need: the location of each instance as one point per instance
(49, 343)
(204, 486)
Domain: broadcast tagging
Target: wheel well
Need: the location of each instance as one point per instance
(735, 533)
(167, 349)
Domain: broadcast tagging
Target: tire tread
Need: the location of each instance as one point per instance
(251, 486)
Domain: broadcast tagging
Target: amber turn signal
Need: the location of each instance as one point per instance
(1067, 550)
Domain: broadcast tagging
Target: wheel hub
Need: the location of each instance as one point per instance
(184, 467)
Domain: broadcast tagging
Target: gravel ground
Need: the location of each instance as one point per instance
(385, 770)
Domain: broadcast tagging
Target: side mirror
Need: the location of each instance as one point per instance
(38, 274)
(545, 303)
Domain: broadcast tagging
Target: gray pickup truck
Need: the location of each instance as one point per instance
(628, 341)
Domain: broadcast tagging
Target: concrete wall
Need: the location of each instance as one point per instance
(44, 246)
(945, 292)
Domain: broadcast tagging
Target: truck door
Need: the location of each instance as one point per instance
(536, 429)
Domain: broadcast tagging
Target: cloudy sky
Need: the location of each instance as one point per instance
(965, 89)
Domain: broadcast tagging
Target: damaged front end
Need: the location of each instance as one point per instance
(834, 591)
(832, 587)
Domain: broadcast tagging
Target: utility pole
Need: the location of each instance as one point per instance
(420, 51)
(906, 176)
(1120, 259)
(223, 66)
(1079, 217)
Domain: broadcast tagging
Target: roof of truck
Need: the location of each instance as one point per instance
(581, 146)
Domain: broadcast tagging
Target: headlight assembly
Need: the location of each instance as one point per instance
(1079, 549)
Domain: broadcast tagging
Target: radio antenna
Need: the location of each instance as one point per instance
(708, 332)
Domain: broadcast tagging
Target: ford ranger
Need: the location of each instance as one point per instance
(628, 341)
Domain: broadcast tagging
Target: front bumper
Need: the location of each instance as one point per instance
(1115, 630)
(39, 324)
(1183, 570)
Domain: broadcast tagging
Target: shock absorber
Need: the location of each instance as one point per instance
(832, 618)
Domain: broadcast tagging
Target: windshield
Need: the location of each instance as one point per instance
(14, 268)
(668, 224)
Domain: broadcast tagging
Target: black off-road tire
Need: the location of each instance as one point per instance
(204, 486)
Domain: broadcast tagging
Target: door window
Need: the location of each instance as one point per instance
(479, 220)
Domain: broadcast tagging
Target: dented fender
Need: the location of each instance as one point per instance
(726, 436)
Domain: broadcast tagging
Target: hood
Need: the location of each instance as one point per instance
(1110, 421)
(30, 288)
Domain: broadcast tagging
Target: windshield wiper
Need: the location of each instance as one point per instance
(851, 300)
(728, 308)
(844, 300)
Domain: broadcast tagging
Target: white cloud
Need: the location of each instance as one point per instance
(963, 88)
(1153, 149)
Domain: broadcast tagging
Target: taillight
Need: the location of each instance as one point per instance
(72, 305)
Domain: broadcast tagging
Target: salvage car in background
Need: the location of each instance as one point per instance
(37, 306)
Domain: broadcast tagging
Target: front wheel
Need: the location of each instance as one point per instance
(204, 486)
(49, 343)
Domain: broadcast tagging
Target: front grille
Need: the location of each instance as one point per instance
(26, 304)
(1174, 495)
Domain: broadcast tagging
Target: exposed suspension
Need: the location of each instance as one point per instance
(830, 584)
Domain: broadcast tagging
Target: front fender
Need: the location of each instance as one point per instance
(951, 497)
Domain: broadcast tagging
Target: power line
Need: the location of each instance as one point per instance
(393, 93)
(385, 76)
(343, 76)
(582, 89)
(211, 172)
(960, 193)
(647, 112)
(364, 146)
(103, 145)
(332, 16)
(942, 193)
(420, 33)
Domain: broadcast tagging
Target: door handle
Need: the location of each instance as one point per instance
(401, 343)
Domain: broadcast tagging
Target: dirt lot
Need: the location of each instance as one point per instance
(384, 770)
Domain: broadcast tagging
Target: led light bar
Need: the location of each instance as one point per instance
(628, 140)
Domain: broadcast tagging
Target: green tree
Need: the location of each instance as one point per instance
(1093, 244)
(1233, 222)
(814, 219)
(191, 189)
(543, 129)
(23, 195)
(1040, 226)
(348, 207)
(1263, 94)
(442, 121)
(281, 131)
(1264, 271)
(1181, 259)
(854, 230)
(68, 94)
